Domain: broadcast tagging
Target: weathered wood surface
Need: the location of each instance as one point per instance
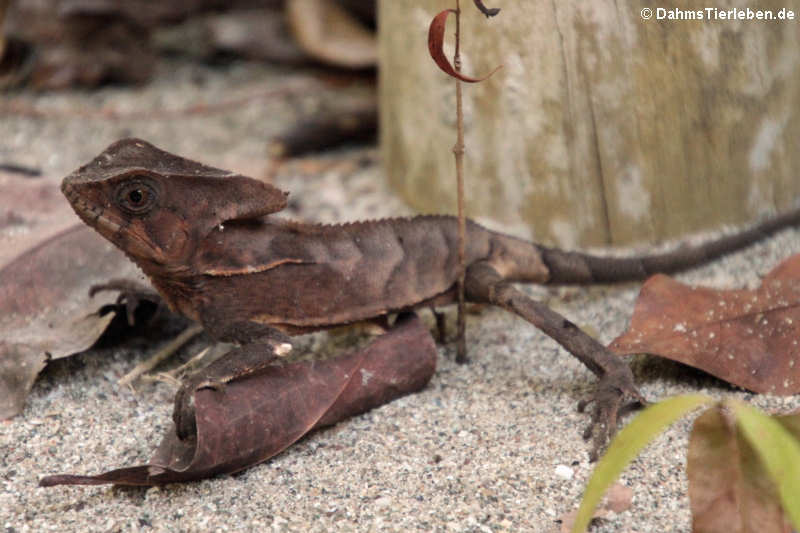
(602, 128)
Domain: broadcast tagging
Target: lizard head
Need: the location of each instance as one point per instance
(155, 206)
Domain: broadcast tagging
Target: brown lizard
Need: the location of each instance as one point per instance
(209, 243)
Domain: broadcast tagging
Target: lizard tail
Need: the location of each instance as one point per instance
(575, 267)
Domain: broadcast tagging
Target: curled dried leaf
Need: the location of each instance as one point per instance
(436, 48)
(329, 33)
(259, 416)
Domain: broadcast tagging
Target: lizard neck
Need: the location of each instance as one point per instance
(181, 294)
(176, 285)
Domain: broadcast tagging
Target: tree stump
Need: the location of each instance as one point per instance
(603, 128)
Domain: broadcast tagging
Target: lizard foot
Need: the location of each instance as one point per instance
(131, 294)
(235, 364)
(609, 399)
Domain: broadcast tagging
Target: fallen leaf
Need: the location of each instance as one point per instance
(750, 338)
(260, 33)
(330, 34)
(45, 309)
(436, 48)
(148, 14)
(30, 212)
(59, 43)
(619, 498)
(729, 489)
(255, 418)
(777, 445)
(68, 46)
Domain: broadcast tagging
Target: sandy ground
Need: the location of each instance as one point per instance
(477, 450)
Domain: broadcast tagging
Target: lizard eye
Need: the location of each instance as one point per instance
(136, 198)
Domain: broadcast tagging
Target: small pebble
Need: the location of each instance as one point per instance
(564, 472)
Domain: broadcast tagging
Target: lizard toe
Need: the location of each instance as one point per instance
(131, 295)
(609, 399)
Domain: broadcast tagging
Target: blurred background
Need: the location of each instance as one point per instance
(604, 127)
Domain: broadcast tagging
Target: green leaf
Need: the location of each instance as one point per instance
(627, 445)
(778, 450)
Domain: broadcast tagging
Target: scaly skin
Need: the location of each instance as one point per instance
(209, 242)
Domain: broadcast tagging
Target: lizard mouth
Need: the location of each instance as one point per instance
(92, 215)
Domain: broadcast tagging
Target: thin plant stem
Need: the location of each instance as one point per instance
(161, 355)
(458, 152)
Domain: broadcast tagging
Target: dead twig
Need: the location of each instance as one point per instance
(161, 355)
(458, 152)
(191, 363)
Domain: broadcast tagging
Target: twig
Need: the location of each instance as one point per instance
(161, 355)
(162, 377)
(458, 152)
(194, 361)
(436, 33)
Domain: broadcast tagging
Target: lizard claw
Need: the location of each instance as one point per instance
(609, 404)
(131, 294)
(183, 413)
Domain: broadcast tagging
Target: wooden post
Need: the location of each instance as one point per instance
(603, 128)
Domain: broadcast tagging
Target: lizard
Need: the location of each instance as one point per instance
(213, 248)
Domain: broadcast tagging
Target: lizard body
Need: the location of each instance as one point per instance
(211, 246)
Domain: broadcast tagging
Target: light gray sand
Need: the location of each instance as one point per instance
(477, 450)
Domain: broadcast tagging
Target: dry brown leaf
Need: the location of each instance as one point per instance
(31, 210)
(255, 418)
(748, 338)
(331, 35)
(619, 497)
(61, 43)
(436, 49)
(260, 33)
(729, 490)
(45, 309)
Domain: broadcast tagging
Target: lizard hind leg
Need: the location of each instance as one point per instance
(484, 284)
(441, 325)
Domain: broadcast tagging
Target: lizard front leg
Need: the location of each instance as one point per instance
(484, 284)
(131, 294)
(263, 345)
